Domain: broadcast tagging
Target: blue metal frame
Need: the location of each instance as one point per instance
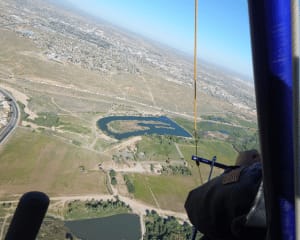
(270, 22)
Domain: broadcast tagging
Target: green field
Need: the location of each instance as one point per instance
(169, 191)
(158, 148)
(34, 161)
(239, 133)
(224, 151)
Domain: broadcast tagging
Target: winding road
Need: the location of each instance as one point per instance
(7, 130)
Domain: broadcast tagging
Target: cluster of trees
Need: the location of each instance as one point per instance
(241, 138)
(95, 208)
(217, 119)
(246, 143)
(129, 184)
(109, 204)
(176, 170)
(6, 204)
(168, 228)
(112, 174)
(116, 158)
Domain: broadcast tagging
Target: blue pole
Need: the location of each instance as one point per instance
(295, 52)
(270, 22)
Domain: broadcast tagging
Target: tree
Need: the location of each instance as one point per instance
(112, 173)
(152, 167)
(114, 181)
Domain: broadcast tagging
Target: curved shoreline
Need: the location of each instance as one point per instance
(161, 125)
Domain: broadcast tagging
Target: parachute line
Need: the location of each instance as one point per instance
(195, 88)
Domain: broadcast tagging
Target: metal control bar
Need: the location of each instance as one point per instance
(209, 162)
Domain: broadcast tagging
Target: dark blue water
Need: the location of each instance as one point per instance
(167, 126)
(118, 227)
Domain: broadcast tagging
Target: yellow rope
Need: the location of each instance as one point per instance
(195, 72)
(195, 87)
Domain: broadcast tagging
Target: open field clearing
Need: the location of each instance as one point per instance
(165, 192)
(33, 161)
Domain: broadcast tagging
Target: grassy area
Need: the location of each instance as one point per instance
(51, 119)
(101, 145)
(216, 118)
(158, 148)
(75, 128)
(75, 124)
(209, 148)
(176, 188)
(169, 191)
(33, 161)
(231, 119)
(24, 115)
(115, 126)
(46, 119)
(245, 123)
(242, 138)
(41, 102)
(233, 131)
(53, 228)
(7, 208)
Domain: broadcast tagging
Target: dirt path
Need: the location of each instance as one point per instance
(154, 198)
(124, 144)
(149, 91)
(3, 226)
(178, 150)
(67, 111)
(138, 168)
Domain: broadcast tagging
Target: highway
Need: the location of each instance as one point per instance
(5, 132)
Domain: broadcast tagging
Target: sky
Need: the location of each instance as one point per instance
(223, 26)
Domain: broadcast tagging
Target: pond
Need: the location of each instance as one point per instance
(149, 125)
(117, 227)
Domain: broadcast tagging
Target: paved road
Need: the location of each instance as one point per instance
(5, 132)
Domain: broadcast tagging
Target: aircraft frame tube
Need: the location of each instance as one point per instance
(271, 30)
(28, 216)
(295, 55)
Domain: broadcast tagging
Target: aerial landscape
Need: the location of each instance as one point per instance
(101, 120)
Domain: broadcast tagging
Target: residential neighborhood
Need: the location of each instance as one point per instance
(5, 110)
